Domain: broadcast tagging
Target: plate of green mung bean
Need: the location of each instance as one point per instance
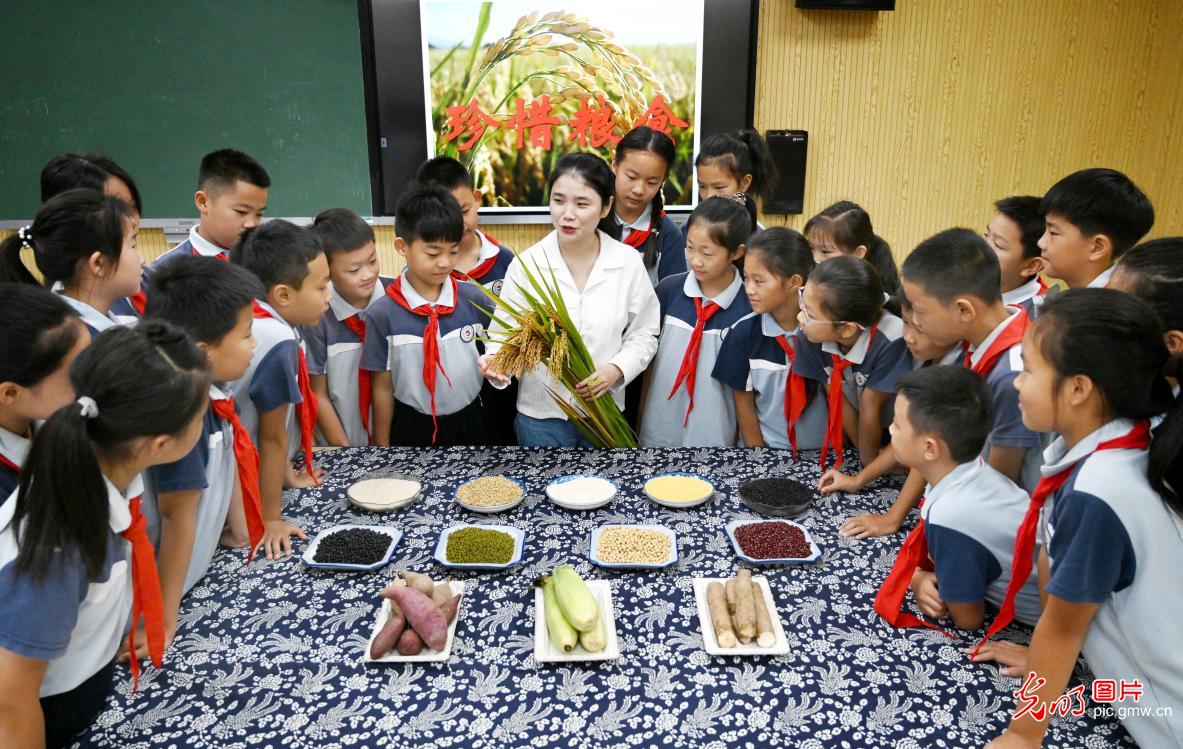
(480, 547)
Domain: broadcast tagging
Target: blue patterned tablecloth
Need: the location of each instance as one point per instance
(268, 654)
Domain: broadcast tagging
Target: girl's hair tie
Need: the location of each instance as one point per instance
(90, 409)
(26, 235)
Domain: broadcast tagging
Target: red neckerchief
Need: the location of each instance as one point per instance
(889, 601)
(1010, 336)
(1043, 287)
(636, 238)
(431, 338)
(834, 399)
(1137, 438)
(307, 407)
(688, 372)
(481, 269)
(364, 394)
(794, 389)
(6, 463)
(247, 459)
(147, 600)
(139, 300)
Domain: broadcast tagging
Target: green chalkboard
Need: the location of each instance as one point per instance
(155, 85)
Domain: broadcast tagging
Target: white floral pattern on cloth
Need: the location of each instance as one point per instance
(268, 654)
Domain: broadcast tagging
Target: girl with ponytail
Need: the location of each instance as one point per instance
(39, 339)
(845, 229)
(1109, 508)
(83, 243)
(642, 162)
(728, 163)
(75, 556)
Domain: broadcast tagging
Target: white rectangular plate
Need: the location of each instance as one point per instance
(711, 645)
(427, 654)
(544, 649)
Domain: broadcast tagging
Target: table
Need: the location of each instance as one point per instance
(268, 654)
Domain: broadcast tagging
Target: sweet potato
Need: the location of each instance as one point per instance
(424, 616)
(450, 607)
(441, 594)
(419, 582)
(409, 643)
(391, 631)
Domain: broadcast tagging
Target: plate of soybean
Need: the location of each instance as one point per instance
(490, 494)
(355, 548)
(480, 547)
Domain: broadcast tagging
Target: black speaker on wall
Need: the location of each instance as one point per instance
(788, 149)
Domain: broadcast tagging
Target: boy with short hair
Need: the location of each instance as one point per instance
(952, 282)
(231, 198)
(482, 259)
(423, 338)
(1014, 234)
(1091, 218)
(958, 558)
(186, 511)
(334, 344)
(275, 395)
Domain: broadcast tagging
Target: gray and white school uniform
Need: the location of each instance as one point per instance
(712, 422)
(971, 518)
(1008, 429)
(751, 361)
(272, 379)
(954, 357)
(209, 467)
(335, 352)
(96, 322)
(67, 619)
(1113, 542)
(394, 342)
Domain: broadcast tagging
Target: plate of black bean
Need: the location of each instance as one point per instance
(352, 547)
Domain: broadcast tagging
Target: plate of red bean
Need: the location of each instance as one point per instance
(772, 542)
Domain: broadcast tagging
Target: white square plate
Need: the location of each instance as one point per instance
(519, 543)
(711, 645)
(545, 650)
(427, 654)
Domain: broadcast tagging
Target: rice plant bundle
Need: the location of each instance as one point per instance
(541, 331)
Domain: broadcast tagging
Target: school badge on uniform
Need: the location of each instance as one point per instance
(467, 333)
(495, 287)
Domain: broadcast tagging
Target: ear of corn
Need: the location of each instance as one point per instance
(561, 633)
(576, 601)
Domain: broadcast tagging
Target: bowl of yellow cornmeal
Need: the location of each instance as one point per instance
(679, 490)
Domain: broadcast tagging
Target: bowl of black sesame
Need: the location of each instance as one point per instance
(352, 547)
(777, 497)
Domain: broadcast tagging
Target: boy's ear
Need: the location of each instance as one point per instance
(965, 309)
(8, 393)
(203, 347)
(202, 201)
(400, 245)
(280, 295)
(860, 251)
(476, 196)
(933, 448)
(1101, 249)
(1031, 267)
(739, 252)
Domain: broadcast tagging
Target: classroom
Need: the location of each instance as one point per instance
(647, 373)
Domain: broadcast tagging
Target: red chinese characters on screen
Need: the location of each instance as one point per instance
(591, 125)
